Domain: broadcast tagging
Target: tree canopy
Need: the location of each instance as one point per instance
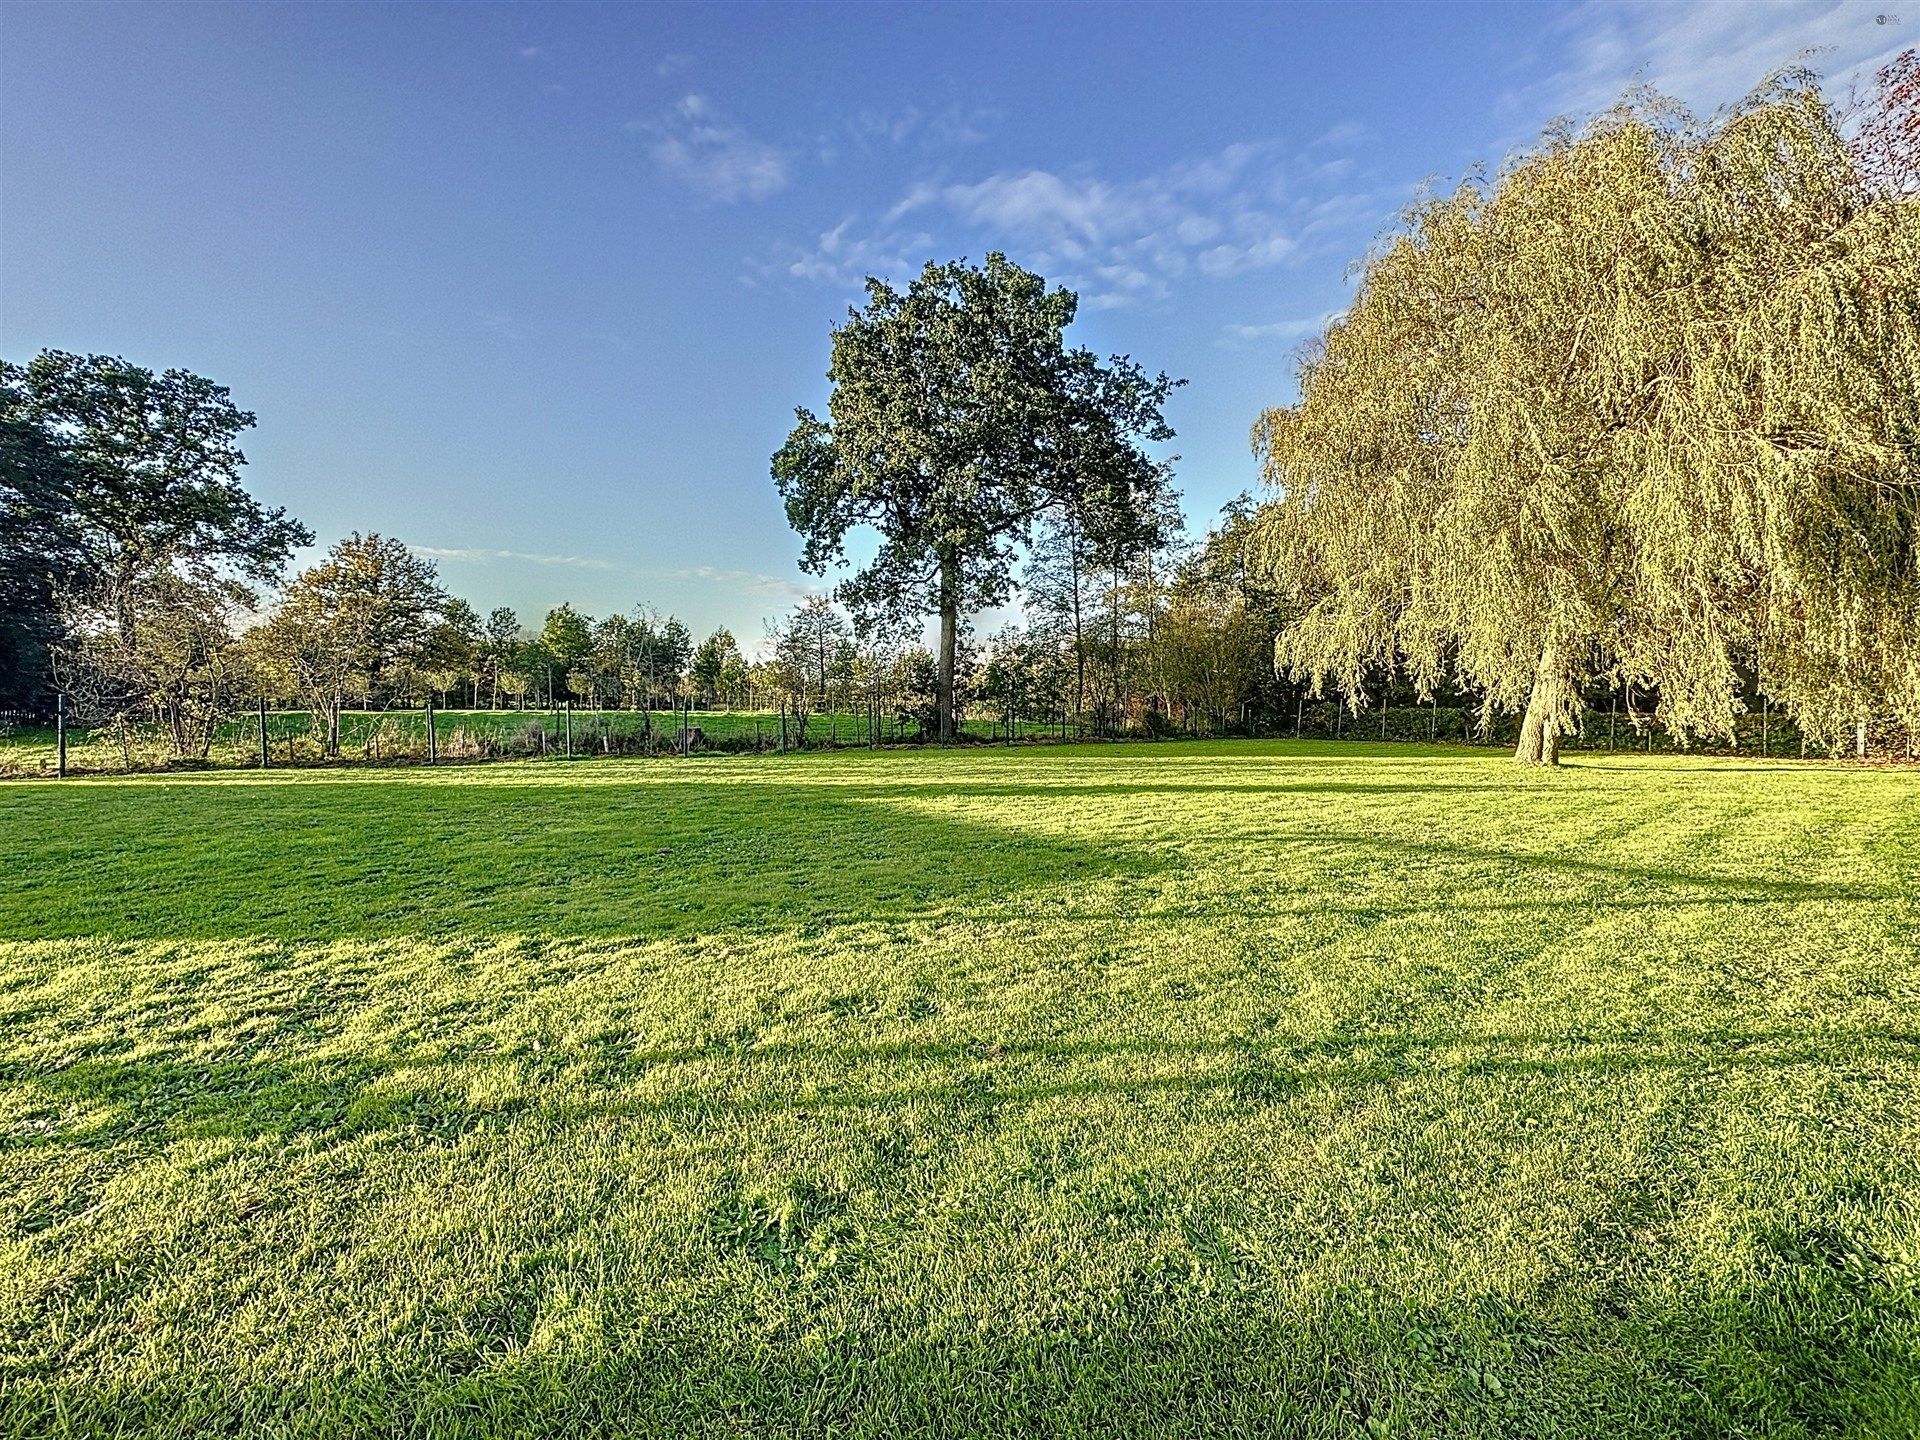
(154, 473)
(370, 610)
(958, 416)
(1645, 406)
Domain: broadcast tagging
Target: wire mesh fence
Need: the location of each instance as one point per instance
(283, 737)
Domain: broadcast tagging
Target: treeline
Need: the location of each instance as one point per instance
(143, 585)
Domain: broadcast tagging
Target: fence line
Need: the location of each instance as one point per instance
(262, 735)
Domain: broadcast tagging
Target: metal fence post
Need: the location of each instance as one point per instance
(569, 729)
(433, 740)
(60, 732)
(263, 732)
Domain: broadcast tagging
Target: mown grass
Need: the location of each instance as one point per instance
(1195, 1090)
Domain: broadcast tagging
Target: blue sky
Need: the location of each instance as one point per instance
(536, 287)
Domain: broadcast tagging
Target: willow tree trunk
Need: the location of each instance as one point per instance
(1540, 729)
(949, 640)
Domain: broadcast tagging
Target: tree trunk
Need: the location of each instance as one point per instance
(949, 640)
(1540, 729)
(1079, 635)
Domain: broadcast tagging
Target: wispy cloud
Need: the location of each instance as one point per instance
(672, 64)
(1710, 54)
(696, 146)
(1121, 241)
(474, 556)
(909, 128)
(735, 581)
(1274, 331)
(746, 580)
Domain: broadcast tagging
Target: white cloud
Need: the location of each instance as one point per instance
(474, 556)
(951, 126)
(696, 146)
(1283, 331)
(1249, 206)
(672, 64)
(735, 581)
(1711, 54)
(747, 580)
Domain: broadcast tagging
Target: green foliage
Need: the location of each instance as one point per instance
(980, 1092)
(716, 663)
(958, 416)
(364, 619)
(567, 636)
(39, 551)
(1644, 407)
(154, 468)
(174, 660)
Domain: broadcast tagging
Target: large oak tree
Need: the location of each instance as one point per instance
(959, 415)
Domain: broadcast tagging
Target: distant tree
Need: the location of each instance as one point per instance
(958, 416)
(452, 657)
(710, 663)
(1024, 673)
(673, 649)
(499, 641)
(367, 613)
(915, 688)
(818, 635)
(178, 664)
(567, 637)
(785, 672)
(609, 664)
(736, 682)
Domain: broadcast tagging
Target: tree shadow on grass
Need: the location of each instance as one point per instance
(393, 858)
(423, 1094)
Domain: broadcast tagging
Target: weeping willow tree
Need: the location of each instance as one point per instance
(1644, 407)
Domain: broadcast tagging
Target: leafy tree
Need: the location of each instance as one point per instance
(816, 635)
(178, 663)
(711, 661)
(453, 652)
(368, 612)
(736, 681)
(499, 642)
(958, 416)
(672, 650)
(567, 636)
(153, 465)
(1024, 673)
(1641, 408)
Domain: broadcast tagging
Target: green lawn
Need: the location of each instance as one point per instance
(1137, 1090)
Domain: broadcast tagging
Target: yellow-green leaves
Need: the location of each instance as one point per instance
(1646, 405)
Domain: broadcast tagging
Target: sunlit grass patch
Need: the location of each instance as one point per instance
(1091, 1090)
